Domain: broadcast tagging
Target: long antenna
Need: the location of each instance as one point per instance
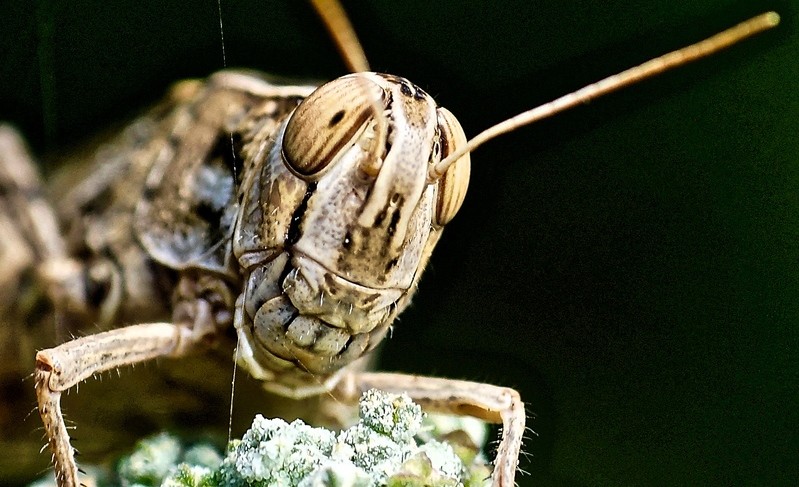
(630, 76)
(340, 29)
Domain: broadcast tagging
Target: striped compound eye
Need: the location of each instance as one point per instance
(327, 122)
(452, 186)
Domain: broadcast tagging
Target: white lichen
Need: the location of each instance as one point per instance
(152, 460)
(273, 452)
(381, 449)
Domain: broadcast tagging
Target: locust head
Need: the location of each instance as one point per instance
(339, 213)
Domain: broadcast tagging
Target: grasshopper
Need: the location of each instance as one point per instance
(307, 247)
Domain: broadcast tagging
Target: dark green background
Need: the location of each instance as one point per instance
(632, 267)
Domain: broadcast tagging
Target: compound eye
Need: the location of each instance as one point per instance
(328, 121)
(451, 188)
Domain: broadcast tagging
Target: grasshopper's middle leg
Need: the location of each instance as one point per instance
(29, 235)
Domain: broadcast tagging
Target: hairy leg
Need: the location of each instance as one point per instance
(490, 403)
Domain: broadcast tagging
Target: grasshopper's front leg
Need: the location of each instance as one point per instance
(494, 404)
(62, 367)
(198, 318)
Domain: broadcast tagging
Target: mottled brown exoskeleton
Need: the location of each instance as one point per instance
(297, 219)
